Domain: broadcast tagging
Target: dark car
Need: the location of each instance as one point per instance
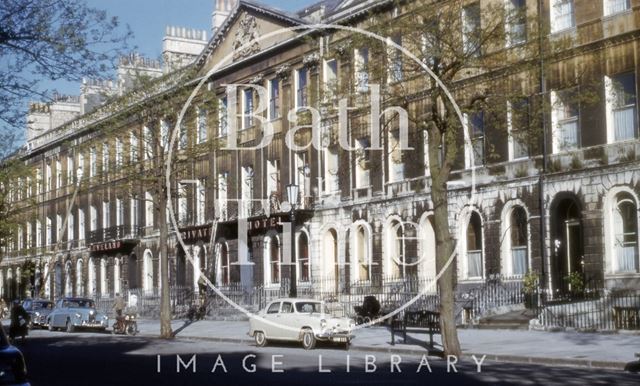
(38, 310)
(13, 370)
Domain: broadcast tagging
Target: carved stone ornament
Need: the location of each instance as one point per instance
(245, 42)
(342, 49)
(311, 60)
(283, 71)
(257, 79)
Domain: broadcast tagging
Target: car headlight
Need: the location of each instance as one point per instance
(323, 323)
(78, 315)
(126, 317)
(37, 313)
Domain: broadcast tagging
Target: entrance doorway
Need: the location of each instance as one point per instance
(567, 245)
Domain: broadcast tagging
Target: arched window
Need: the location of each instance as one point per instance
(91, 277)
(68, 286)
(304, 268)
(474, 247)
(625, 237)
(116, 275)
(104, 288)
(79, 287)
(362, 253)
(519, 241)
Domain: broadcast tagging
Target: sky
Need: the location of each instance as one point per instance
(148, 19)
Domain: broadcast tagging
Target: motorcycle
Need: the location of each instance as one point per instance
(125, 324)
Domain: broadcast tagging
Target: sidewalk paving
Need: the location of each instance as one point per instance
(611, 351)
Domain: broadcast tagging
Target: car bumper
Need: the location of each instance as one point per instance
(88, 324)
(338, 337)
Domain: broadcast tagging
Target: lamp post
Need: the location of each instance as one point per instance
(292, 193)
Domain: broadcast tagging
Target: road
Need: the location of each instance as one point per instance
(58, 358)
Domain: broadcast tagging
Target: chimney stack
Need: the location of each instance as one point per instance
(221, 10)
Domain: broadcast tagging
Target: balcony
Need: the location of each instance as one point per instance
(119, 232)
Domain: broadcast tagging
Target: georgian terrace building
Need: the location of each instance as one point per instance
(568, 206)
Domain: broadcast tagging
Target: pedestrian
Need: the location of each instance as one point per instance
(3, 309)
(19, 322)
(118, 306)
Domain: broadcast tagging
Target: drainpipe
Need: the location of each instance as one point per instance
(543, 91)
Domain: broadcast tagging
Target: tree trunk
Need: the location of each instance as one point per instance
(446, 283)
(166, 331)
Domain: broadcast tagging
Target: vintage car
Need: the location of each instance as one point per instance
(75, 313)
(38, 310)
(13, 369)
(299, 320)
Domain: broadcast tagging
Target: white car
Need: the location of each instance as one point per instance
(299, 320)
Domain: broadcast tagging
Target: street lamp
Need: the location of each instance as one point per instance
(292, 193)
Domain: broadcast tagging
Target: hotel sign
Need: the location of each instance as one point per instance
(197, 233)
(105, 247)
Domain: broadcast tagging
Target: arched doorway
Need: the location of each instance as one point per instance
(302, 253)
(79, 281)
(181, 268)
(330, 267)
(426, 248)
(57, 280)
(147, 271)
(91, 277)
(68, 281)
(567, 256)
(132, 268)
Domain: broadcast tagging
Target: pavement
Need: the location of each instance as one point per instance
(567, 348)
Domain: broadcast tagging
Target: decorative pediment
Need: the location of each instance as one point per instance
(249, 30)
(246, 42)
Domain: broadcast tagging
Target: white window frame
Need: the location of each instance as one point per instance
(201, 124)
(106, 214)
(81, 224)
(70, 227)
(614, 7)
(148, 209)
(558, 118)
(510, 129)
(556, 15)
(512, 13)
(611, 108)
(223, 124)
(274, 99)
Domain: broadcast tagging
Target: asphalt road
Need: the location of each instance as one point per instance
(58, 358)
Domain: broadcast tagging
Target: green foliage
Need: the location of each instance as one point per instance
(530, 282)
(576, 282)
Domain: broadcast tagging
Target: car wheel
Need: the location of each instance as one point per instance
(261, 340)
(308, 339)
(347, 345)
(70, 326)
(130, 329)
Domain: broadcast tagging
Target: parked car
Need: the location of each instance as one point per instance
(75, 313)
(13, 369)
(38, 310)
(299, 320)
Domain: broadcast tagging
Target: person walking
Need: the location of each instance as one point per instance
(118, 306)
(19, 322)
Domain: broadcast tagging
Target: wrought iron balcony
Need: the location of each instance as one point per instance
(119, 232)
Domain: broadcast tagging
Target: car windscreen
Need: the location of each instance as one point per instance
(42, 305)
(79, 303)
(309, 307)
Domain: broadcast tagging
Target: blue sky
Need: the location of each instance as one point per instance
(148, 19)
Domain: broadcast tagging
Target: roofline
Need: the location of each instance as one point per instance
(244, 4)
